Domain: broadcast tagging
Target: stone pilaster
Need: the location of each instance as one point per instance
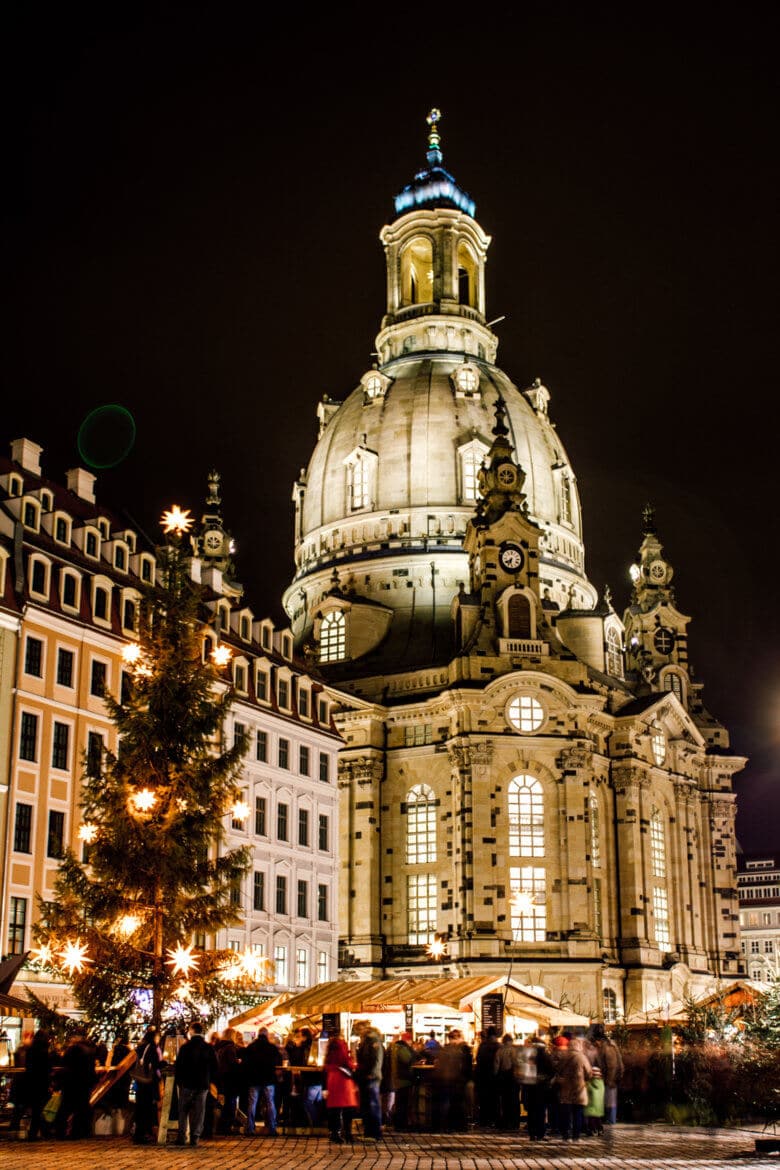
(362, 938)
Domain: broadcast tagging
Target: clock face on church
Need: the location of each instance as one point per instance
(212, 541)
(511, 557)
(507, 475)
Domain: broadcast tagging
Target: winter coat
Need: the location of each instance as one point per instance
(402, 1057)
(611, 1063)
(485, 1063)
(229, 1067)
(342, 1089)
(196, 1064)
(574, 1071)
(508, 1058)
(370, 1056)
(261, 1060)
(453, 1063)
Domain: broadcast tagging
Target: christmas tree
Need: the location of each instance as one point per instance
(153, 875)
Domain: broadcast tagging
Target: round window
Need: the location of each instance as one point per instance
(525, 713)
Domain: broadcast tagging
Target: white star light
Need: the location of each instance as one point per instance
(182, 960)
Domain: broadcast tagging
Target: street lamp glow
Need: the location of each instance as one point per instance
(182, 960)
(177, 521)
(74, 956)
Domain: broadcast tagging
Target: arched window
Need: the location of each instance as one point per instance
(614, 654)
(609, 1005)
(417, 272)
(658, 871)
(657, 845)
(518, 616)
(565, 499)
(333, 637)
(673, 683)
(467, 276)
(420, 826)
(526, 817)
(595, 831)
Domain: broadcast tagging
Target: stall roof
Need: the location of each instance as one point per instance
(455, 994)
(11, 1006)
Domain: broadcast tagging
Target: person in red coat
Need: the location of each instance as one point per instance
(343, 1096)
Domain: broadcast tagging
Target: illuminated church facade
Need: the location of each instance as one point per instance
(528, 779)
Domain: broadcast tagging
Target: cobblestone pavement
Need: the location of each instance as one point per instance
(650, 1146)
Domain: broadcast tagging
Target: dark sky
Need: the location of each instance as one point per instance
(191, 207)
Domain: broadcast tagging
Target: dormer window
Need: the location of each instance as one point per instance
(261, 685)
(239, 676)
(265, 638)
(91, 546)
(360, 467)
(39, 577)
(470, 458)
(104, 527)
(245, 628)
(15, 485)
(147, 569)
(62, 530)
(283, 693)
(466, 381)
(303, 702)
(333, 637)
(287, 646)
(47, 500)
(129, 614)
(120, 557)
(374, 385)
(69, 590)
(100, 603)
(31, 515)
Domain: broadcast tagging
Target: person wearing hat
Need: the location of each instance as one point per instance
(402, 1058)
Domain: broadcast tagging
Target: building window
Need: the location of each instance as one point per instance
(38, 579)
(91, 545)
(17, 923)
(238, 823)
(303, 703)
(323, 840)
(23, 828)
(595, 831)
(128, 614)
(418, 734)
(239, 734)
(281, 894)
(421, 908)
(754, 946)
(565, 499)
(658, 744)
(283, 693)
(614, 654)
(526, 817)
(303, 827)
(146, 569)
(94, 754)
(245, 628)
(323, 715)
(33, 657)
(324, 768)
(120, 558)
(261, 748)
(769, 946)
(673, 683)
(65, 668)
(303, 899)
(280, 965)
(657, 845)
(100, 606)
(322, 967)
(258, 895)
(420, 825)
(609, 1005)
(235, 893)
(59, 746)
(303, 760)
(260, 811)
(284, 753)
(322, 903)
(97, 683)
(69, 590)
(661, 916)
(282, 818)
(525, 713)
(598, 919)
(28, 737)
(333, 637)
(56, 835)
(471, 459)
(358, 484)
(528, 909)
(301, 967)
(261, 686)
(31, 516)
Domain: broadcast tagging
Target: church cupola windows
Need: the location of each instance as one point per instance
(566, 508)
(614, 653)
(466, 381)
(333, 637)
(468, 274)
(417, 272)
(525, 713)
(360, 468)
(374, 385)
(470, 459)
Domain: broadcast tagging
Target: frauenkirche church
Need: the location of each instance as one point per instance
(528, 778)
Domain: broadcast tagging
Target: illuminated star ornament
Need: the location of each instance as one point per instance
(221, 655)
(73, 956)
(436, 948)
(144, 801)
(87, 833)
(182, 960)
(42, 954)
(176, 521)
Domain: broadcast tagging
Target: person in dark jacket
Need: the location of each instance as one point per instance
(402, 1059)
(118, 1095)
(38, 1076)
(74, 1119)
(485, 1077)
(369, 1056)
(230, 1077)
(452, 1069)
(194, 1071)
(261, 1060)
(147, 1091)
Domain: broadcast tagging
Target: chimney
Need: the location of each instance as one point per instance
(28, 454)
(81, 483)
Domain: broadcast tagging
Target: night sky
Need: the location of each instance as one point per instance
(191, 207)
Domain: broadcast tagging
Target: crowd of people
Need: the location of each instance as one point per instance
(566, 1087)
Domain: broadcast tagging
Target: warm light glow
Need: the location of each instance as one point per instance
(635, 573)
(522, 902)
(42, 954)
(131, 653)
(128, 924)
(74, 956)
(435, 949)
(221, 655)
(87, 833)
(144, 800)
(240, 810)
(176, 521)
(182, 960)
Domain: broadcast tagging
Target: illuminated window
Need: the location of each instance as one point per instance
(17, 922)
(374, 384)
(467, 276)
(280, 965)
(658, 743)
(420, 826)
(421, 908)
(418, 734)
(673, 683)
(528, 911)
(614, 654)
(526, 817)
(467, 379)
(565, 499)
(417, 272)
(471, 456)
(322, 967)
(358, 484)
(301, 967)
(609, 1005)
(333, 637)
(525, 713)
(657, 845)
(595, 831)
(661, 916)
(598, 919)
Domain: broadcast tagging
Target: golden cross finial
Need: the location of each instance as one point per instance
(434, 138)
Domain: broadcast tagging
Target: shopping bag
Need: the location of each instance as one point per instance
(52, 1107)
